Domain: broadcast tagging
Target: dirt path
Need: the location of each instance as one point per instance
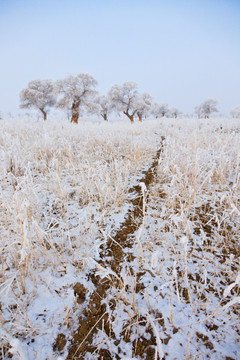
(95, 316)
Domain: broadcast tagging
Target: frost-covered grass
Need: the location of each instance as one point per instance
(184, 293)
(64, 191)
(60, 184)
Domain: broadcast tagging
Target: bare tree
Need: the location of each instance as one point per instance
(206, 108)
(75, 92)
(38, 95)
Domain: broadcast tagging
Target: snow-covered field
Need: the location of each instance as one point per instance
(68, 193)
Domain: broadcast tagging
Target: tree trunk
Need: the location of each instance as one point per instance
(44, 114)
(140, 116)
(104, 116)
(74, 118)
(131, 117)
(75, 113)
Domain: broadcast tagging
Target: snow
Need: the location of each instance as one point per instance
(65, 191)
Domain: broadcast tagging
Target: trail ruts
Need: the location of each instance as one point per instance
(94, 316)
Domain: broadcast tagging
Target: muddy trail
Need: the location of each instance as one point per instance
(95, 315)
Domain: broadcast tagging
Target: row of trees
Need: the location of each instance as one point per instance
(77, 94)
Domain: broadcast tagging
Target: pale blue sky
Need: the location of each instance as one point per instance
(181, 52)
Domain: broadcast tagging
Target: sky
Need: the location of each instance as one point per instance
(181, 52)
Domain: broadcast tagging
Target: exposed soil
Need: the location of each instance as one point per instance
(95, 316)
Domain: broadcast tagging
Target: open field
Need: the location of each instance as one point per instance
(120, 241)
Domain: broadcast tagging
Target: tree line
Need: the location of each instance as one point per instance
(77, 94)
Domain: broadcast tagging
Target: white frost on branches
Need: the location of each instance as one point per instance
(235, 112)
(127, 100)
(206, 108)
(103, 106)
(75, 92)
(39, 95)
(160, 110)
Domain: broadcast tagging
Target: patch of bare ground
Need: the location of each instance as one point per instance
(95, 315)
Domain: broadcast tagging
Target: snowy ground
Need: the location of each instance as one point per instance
(65, 192)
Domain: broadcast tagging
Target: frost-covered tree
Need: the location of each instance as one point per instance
(160, 110)
(75, 92)
(103, 106)
(144, 104)
(125, 99)
(38, 95)
(235, 112)
(206, 108)
(174, 112)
